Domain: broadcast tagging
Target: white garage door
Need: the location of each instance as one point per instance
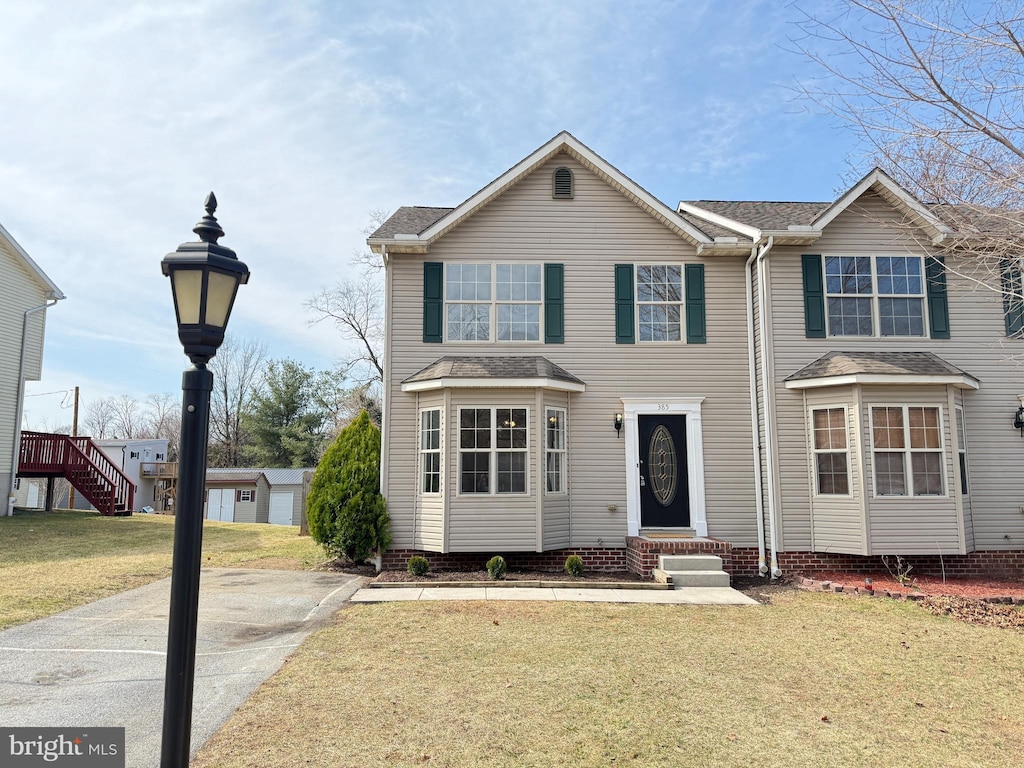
(281, 508)
(220, 504)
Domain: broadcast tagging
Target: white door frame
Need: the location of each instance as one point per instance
(632, 408)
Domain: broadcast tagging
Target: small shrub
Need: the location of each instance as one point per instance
(418, 565)
(496, 567)
(899, 568)
(574, 566)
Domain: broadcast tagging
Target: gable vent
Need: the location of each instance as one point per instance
(561, 183)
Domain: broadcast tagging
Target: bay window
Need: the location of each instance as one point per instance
(492, 450)
(907, 450)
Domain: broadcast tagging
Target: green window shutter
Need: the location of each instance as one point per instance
(624, 333)
(433, 302)
(814, 298)
(696, 322)
(938, 302)
(1013, 300)
(554, 304)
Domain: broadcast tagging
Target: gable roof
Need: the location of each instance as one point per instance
(50, 287)
(839, 368)
(492, 371)
(794, 222)
(419, 238)
(233, 477)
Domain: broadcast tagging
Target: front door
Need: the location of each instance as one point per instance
(664, 487)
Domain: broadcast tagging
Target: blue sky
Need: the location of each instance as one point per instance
(304, 116)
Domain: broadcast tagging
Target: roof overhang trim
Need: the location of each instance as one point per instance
(454, 382)
(53, 293)
(960, 381)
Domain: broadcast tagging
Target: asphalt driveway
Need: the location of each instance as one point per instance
(102, 664)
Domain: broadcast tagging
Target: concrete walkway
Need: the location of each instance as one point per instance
(102, 664)
(687, 596)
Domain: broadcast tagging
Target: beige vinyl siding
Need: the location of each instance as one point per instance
(911, 525)
(977, 345)
(588, 234)
(257, 510)
(556, 506)
(19, 291)
(429, 525)
(498, 521)
(838, 523)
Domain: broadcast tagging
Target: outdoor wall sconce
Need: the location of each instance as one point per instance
(618, 423)
(1018, 420)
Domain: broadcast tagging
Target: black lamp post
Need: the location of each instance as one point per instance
(204, 279)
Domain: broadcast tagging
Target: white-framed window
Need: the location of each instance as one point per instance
(17, 483)
(906, 442)
(493, 302)
(133, 454)
(493, 446)
(246, 495)
(875, 295)
(831, 451)
(659, 302)
(430, 451)
(554, 451)
(961, 438)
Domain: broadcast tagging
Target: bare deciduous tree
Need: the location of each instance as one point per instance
(162, 420)
(356, 307)
(237, 372)
(128, 416)
(935, 90)
(98, 421)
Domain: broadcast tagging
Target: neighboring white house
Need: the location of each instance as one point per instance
(25, 295)
(256, 495)
(129, 456)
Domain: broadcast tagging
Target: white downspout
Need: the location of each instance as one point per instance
(767, 383)
(16, 448)
(762, 567)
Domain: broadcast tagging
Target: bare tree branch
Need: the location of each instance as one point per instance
(237, 372)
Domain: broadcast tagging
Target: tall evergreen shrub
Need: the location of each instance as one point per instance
(347, 514)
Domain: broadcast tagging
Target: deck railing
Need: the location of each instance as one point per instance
(82, 462)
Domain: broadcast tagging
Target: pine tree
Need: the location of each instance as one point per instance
(346, 511)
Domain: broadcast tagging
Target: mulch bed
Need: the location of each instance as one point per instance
(510, 575)
(881, 581)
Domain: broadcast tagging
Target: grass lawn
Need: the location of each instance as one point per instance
(50, 562)
(810, 680)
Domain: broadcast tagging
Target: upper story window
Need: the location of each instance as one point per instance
(493, 302)
(659, 301)
(875, 295)
(907, 450)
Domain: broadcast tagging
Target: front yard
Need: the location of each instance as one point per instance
(50, 562)
(810, 680)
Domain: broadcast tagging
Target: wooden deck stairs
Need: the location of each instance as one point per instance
(85, 466)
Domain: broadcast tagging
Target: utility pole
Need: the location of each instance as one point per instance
(74, 433)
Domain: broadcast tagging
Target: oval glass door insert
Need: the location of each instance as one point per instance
(662, 465)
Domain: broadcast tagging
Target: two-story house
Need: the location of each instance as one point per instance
(25, 295)
(573, 366)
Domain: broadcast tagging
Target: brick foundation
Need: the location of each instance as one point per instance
(641, 557)
(594, 559)
(991, 563)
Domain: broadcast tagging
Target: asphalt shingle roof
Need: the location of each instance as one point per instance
(763, 214)
(890, 363)
(232, 476)
(526, 367)
(410, 220)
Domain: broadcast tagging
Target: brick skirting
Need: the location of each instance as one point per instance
(641, 557)
(594, 559)
(991, 563)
